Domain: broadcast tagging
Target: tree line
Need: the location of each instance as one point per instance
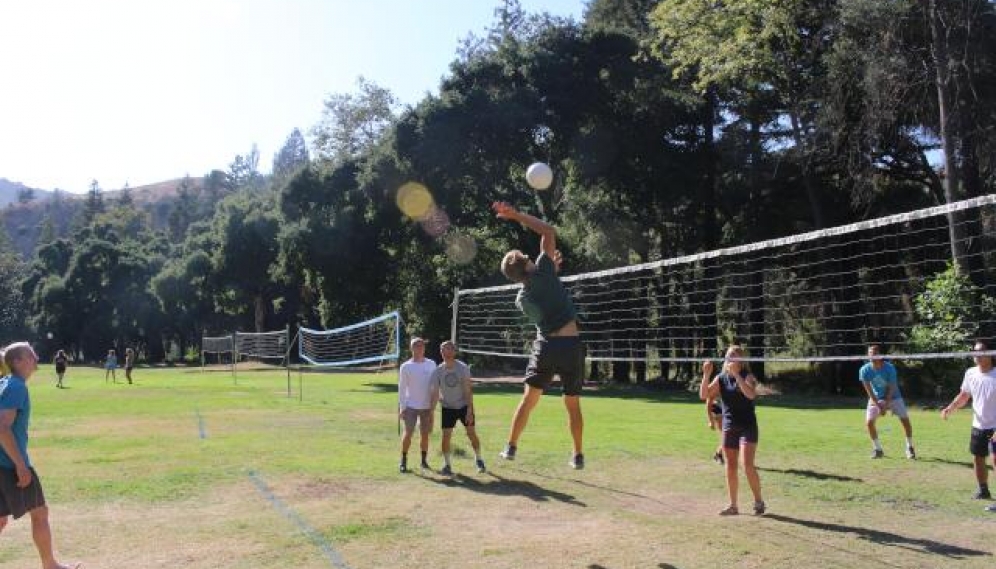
(673, 126)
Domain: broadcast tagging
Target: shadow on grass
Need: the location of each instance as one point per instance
(812, 474)
(501, 486)
(887, 538)
(966, 464)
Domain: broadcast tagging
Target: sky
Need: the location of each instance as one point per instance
(140, 91)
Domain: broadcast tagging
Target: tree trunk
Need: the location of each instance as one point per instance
(260, 311)
(939, 54)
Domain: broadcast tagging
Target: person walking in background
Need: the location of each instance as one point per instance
(129, 363)
(979, 386)
(736, 388)
(20, 488)
(881, 383)
(61, 361)
(110, 364)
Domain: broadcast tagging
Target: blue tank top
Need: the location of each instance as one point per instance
(737, 408)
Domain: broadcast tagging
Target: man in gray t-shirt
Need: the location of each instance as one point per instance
(456, 395)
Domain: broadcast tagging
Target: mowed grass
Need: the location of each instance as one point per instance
(187, 468)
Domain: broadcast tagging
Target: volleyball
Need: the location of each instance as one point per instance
(539, 176)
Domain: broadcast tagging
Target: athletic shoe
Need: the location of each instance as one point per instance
(425, 466)
(508, 453)
(718, 457)
(403, 468)
(982, 494)
(480, 466)
(910, 453)
(577, 462)
(729, 511)
(878, 453)
(759, 508)
(446, 471)
(991, 508)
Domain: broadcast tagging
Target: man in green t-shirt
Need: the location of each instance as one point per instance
(557, 349)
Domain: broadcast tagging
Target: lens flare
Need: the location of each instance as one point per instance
(414, 200)
(461, 248)
(435, 222)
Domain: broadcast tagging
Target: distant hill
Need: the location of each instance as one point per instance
(23, 221)
(9, 191)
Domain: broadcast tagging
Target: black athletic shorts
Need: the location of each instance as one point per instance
(16, 501)
(451, 416)
(982, 442)
(60, 368)
(560, 355)
(735, 434)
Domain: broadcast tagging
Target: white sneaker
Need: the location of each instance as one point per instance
(910, 453)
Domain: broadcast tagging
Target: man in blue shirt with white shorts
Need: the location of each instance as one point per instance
(879, 379)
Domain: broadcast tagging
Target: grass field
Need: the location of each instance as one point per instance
(187, 469)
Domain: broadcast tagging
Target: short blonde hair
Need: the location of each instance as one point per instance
(513, 266)
(14, 352)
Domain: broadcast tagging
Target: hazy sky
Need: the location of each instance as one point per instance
(141, 91)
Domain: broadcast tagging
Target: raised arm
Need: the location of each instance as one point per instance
(707, 389)
(547, 232)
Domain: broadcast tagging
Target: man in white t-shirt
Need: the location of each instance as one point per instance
(979, 385)
(416, 401)
(456, 397)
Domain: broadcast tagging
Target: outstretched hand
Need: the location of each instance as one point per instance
(504, 210)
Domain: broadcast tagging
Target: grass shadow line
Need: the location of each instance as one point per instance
(887, 538)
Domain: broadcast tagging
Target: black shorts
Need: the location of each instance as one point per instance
(451, 416)
(733, 435)
(16, 501)
(560, 355)
(60, 369)
(981, 442)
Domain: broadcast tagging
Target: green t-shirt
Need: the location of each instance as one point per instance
(543, 298)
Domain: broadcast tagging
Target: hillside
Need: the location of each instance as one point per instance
(23, 221)
(9, 191)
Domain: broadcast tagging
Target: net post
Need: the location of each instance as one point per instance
(456, 308)
(290, 346)
(235, 358)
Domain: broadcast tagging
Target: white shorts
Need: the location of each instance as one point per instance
(897, 406)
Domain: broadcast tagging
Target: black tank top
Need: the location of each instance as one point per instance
(737, 408)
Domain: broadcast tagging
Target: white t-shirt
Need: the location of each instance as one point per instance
(415, 384)
(982, 387)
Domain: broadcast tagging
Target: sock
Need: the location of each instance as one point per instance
(909, 442)
(983, 487)
(424, 453)
(404, 458)
(477, 454)
(446, 458)
(876, 444)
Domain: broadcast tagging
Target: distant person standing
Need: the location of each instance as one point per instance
(979, 385)
(61, 361)
(456, 398)
(110, 364)
(416, 401)
(20, 488)
(129, 363)
(881, 383)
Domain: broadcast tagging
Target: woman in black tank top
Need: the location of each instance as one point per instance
(736, 388)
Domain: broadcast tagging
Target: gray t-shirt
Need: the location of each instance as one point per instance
(450, 382)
